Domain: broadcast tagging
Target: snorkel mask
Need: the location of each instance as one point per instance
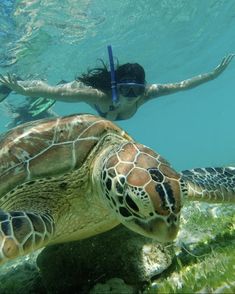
(127, 87)
(130, 89)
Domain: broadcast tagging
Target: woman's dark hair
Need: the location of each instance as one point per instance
(99, 77)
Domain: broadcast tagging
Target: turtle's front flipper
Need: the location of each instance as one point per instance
(22, 232)
(209, 184)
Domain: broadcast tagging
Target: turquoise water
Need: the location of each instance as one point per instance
(173, 40)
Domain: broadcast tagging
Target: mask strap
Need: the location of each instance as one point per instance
(113, 78)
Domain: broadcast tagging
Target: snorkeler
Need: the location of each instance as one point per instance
(115, 94)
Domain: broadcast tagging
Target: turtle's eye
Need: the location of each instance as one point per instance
(119, 188)
(119, 185)
(131, 203)
(136, 204)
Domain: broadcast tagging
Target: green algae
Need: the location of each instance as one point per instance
(205, 259)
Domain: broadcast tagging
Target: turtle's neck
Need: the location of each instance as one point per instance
(113, 143)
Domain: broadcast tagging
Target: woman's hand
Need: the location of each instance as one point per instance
(11, 82)
(222, 66)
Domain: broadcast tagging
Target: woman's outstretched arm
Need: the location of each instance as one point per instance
(156, 90)
(37, 88)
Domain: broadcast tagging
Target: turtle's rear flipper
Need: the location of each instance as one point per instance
(209, 184)
(4, 92)
(22, 232)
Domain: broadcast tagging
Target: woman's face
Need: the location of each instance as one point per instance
(130, 88)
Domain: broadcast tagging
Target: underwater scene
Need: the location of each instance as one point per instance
(117, 157)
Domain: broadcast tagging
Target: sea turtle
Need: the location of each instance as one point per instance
(72, 177)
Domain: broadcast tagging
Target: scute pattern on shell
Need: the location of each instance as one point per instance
(74, 177)
(63, 144)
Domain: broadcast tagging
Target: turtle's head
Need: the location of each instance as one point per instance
(143, 191)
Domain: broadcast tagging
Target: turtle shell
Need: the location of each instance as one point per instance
(50, 147)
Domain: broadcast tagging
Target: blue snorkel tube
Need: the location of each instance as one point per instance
(113, 78)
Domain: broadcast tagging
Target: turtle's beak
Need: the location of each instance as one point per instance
(158, 229)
